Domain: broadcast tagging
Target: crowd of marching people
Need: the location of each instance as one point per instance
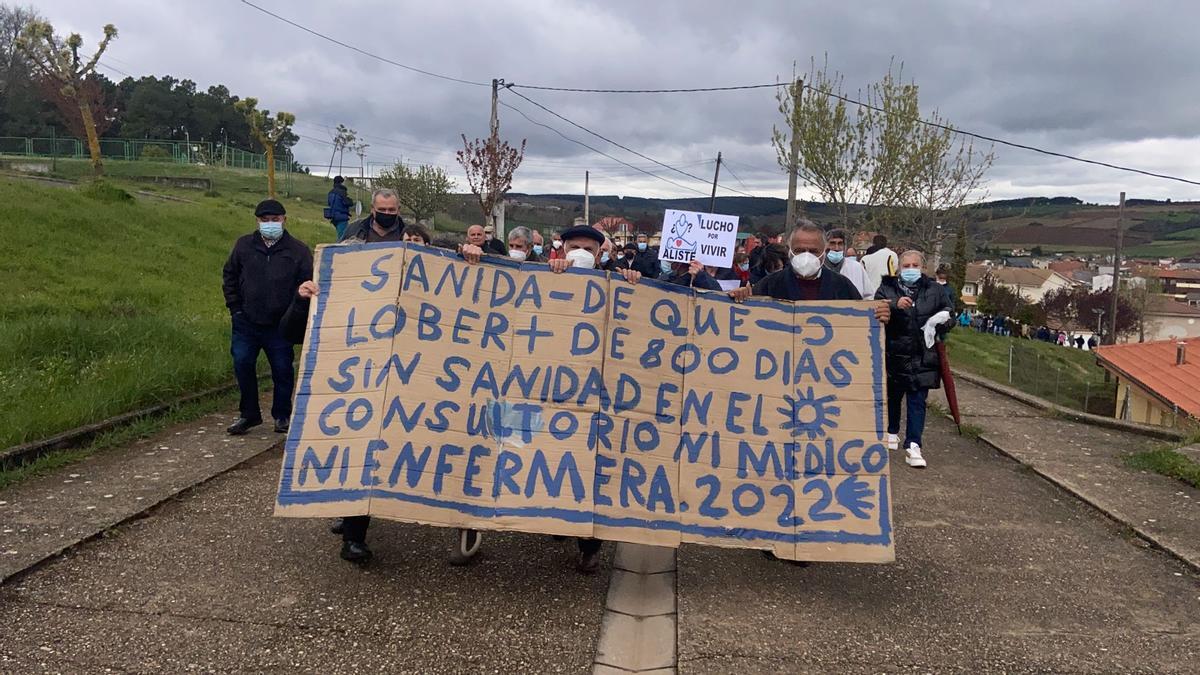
(1000, 324)
(268, 286)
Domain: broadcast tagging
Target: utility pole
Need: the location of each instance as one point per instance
(493, 144)
(712, 202)
(587, 211)
(793, 155)
(1116, 286)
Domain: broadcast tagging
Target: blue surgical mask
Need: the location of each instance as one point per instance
(745, 267)
(641, 246)
(834, 257)
(665, 265)
(910, 275)
(537, 248)
(604, 258)
(270, 230)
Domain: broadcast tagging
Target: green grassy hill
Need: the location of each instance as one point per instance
(1063, 375)
(114, 305)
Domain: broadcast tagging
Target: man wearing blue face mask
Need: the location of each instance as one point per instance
(646, 259)
(260, 277)
(836, 260)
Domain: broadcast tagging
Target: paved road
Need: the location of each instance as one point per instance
(211, 582)
(996, 570)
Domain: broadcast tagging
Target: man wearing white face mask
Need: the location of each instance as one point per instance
(260, 277)
(836, 260)
(520, 247)
(804, 278)
(582, 248)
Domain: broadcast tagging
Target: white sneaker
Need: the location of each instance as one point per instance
(914, 458)
(893, 442)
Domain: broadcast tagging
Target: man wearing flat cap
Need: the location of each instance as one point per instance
(262, 274)
(581, 246)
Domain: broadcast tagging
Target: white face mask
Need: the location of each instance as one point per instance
(517, 255)
(557, 243)
(580, 257)
(806, 264)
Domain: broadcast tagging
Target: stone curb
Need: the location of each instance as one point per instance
(1142, 533)
(76, 437)
(1074, 415)
(129, 516)
(638, 633)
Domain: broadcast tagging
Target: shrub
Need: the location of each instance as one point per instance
(103, 191)
(155, 153)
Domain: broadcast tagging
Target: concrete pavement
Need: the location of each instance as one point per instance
(1087, 461)
(997, 570)
(43, 516)
(211, 582)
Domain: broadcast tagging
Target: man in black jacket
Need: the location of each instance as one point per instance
(382, 224)
(805, 277)
(646, 260)
(260, 277)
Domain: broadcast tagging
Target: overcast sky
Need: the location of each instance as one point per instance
(1107, 80)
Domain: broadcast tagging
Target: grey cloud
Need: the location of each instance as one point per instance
(1076, 76)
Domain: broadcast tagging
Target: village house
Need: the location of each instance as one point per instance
(1166, 319)
(1030, 283)
(1156, 381)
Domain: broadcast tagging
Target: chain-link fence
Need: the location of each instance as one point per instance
(1061, 377)
(149, 149)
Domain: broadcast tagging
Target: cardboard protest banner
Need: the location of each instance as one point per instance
(501, 396)
(708, 237)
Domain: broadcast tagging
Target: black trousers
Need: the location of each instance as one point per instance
(354, 528)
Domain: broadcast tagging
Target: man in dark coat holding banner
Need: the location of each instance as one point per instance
(581, 246)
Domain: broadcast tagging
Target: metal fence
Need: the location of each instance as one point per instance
(1069, 384)
(149, 149)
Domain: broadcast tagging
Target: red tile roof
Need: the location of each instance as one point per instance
(1151, 365)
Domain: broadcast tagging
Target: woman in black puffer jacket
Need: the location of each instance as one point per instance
(912, 368)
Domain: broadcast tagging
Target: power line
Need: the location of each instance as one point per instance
(600, 152)
(113, 68)
(626, 149)
(512, 86)
(363, 52)
(731, 173)
(1011, 144)
(651, 91)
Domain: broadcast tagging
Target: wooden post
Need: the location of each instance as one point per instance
(712, 202)
(587, 215)
(1116, 285)
(793, 156)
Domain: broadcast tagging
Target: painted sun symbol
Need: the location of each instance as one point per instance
(807, 414)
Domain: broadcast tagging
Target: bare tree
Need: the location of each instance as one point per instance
(850, 154)
(267, 131)
(58, 61)
(91, 90)
(424, 190)
(489, 164)
(947, 177)
(342, 137)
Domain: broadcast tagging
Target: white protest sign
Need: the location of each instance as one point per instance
(731, 285)
(707, 237)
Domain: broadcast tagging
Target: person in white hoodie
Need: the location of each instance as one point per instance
(837, 260)
(880, 261)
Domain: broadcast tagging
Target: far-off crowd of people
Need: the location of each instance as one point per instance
(268, 286)
(1000, 324)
